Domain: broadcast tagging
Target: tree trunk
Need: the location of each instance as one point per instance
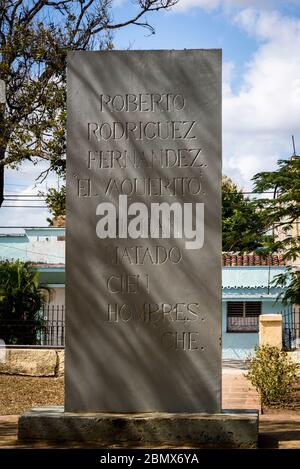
(2, 154)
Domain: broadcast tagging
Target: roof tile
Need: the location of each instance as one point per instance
(234, 260)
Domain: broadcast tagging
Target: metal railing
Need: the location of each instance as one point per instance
(242, 324)
(54, 320)
(48, 329)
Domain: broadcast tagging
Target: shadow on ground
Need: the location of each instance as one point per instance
(278, 433)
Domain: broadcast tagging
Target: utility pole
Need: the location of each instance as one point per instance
(2, 110)
(294, 147)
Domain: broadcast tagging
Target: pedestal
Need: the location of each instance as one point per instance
(235, 429)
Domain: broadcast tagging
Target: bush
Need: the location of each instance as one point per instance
(273, 374)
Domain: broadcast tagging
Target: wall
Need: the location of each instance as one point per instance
(57, 296)
(43, 245)
(33, 362)
(247, 283)
(50, 362)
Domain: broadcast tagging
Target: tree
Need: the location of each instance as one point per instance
(282, 211)
(243, 225)
(35, 36)
(21, 299)
(290, 283)
(282, 214)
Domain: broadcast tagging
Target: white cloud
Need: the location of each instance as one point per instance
(245, 156)
(269, 99)
(260, 118)
(185, 5)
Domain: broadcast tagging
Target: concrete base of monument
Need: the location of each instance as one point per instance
(237, 429)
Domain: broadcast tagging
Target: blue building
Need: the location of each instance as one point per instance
(247, 292)
(45, 248)
(246, 282)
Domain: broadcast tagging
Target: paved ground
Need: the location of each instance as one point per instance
(237, 392)
(277, 430)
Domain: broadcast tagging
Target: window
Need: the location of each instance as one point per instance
(242, 316)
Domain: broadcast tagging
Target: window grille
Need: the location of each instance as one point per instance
(242, 316)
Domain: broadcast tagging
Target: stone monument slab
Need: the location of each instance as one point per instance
(237, 429)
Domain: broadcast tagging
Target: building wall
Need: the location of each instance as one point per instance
(57, 296)
(247, 283)
(235, 345)
(46, 248)
(44, 245)
(239, 345)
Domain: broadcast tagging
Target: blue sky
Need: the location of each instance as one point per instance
(191, 29)
(261, 81)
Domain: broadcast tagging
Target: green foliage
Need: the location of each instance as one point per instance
(282, 211)
(243, 225)
(273, 374)
(56, 202)
(282, 214)
(290, 282)
(21, 299)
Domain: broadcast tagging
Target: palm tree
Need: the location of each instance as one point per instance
(21, 299)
